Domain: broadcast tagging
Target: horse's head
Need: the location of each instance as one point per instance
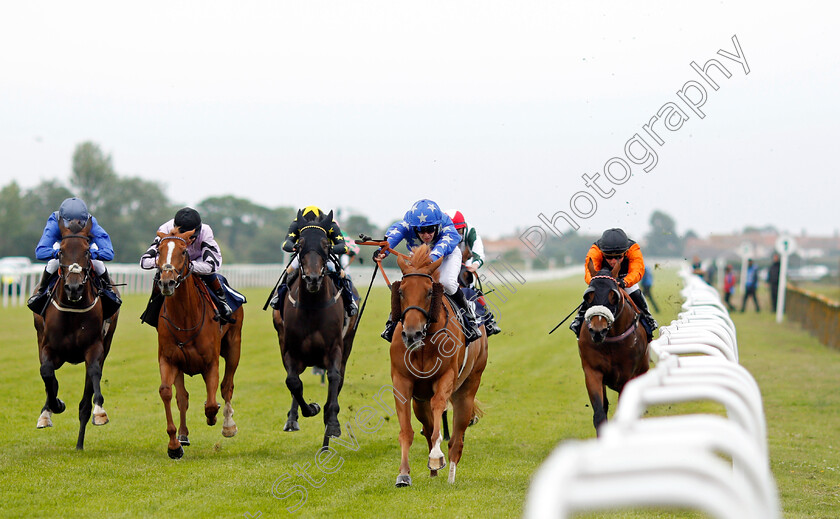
(173, 260)
(314, 248)
(603, 300)
(420, 295)
(74, 258)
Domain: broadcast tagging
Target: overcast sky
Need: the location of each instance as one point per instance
(494, 107)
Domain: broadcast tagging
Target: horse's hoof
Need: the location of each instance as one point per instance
(99, 419)
(437, 463)
(333, 431)
(403, 481)
(176, 454)
(473, 421)
(183, 440)
(229, 432)
(45, 420)
(291, 426)
(314, 409)
(61, 407)
(211, 420)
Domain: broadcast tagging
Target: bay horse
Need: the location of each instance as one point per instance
(313, 329)
(613, 344)
(191, 340)
(431, 364)
(72, 330)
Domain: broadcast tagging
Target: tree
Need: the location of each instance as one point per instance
(663, 240)
(93, 175)
(12, 223)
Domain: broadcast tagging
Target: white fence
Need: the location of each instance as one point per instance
(708, 463)
(131, 279)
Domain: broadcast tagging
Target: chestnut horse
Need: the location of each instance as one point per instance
(613, 344)
(191, 339)
(313, 329)
(430, 364)
(72, 330)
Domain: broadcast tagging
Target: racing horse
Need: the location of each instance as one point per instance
(431, 364)
(191, 339)
(313, 329)
(72, 329)
(613, 344)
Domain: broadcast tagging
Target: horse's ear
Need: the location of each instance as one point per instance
(434, 265)
(402, 263)
(189, 234)
(299, 215)
(328, 220)
(161, 234)
(61, 227)
(88, 226)
(590, 265)
(616, 270)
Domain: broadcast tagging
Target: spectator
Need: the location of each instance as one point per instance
(729, 281)
(647, 284)
(751, 286)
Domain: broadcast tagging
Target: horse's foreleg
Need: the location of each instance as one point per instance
(595, 388)
(331, 408)
(95, 359)
(292, 418)
(53, 403)
(404, 387)
(293, 371)
(423, 412)
(231, 348)
(167, 377)
(84, 410)
(182, 397)
(438, 403)
(211, 382)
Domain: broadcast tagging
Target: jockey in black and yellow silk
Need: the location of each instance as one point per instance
(305, 217)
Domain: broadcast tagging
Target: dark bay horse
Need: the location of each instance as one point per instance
(72, 330)
(613, 344)
(430, 364)
(190, 341)
(313, 329)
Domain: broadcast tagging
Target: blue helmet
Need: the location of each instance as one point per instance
(73, 209)
(424, 213)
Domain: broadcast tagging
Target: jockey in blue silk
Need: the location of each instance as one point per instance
(72, 209)
(338, 247)
(426, 224)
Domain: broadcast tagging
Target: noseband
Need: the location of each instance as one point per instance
(186, 269)
(75, 268)
(426, 313)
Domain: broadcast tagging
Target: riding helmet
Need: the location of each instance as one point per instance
(424, 213)
(613, 241)
(73, 209)
(187, 219)
(457, 219)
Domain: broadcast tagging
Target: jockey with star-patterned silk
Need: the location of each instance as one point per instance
(425, 223)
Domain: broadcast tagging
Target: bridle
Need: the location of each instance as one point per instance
(321, 252)
(186, 268)
(620, 305)
(426, 312)
(75, 268)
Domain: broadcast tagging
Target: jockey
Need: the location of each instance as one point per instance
(48, 246)
(471, 244)
(338, 247)
(614, 246)
(426, 224)
(205, 256)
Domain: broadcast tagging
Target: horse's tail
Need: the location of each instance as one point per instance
(477, 410)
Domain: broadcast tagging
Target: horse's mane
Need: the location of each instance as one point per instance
(75, 227)
(421, 256)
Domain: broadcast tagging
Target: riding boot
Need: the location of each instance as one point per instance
(639, 299)
(108, 286)
(349, 300)
(277, 300)
(490, 324)
(111, 301)
(216, 285)
(471, 329)
(393, 317)
(578, 321)
(38, 301)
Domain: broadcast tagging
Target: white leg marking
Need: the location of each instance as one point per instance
(45, 420)
(228, 425)
(452, 473)
(100, 417)
(436, 453)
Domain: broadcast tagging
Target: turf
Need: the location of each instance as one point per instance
(532, 392)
